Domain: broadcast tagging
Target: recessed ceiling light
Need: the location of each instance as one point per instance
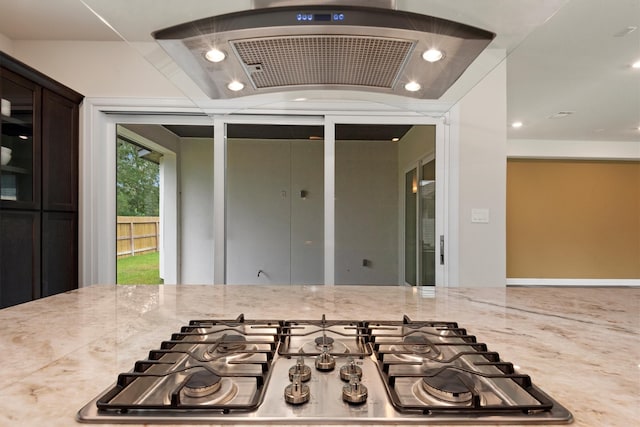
(235, 86)
(516, 125)
(625, 31)
(412, 86)
(561, 114)
(215, 55)
(636, 64)
(432, 55)
(23, 137)
(395, 139)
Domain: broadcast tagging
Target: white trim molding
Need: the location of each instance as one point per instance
(97, 172)
(97, 225)
(572, 282)
(573, 150)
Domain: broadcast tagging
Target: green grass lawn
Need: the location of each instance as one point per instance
(139, 270)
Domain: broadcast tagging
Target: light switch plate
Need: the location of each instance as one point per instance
(480, 216)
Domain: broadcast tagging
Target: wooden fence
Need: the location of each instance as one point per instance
(137, 235)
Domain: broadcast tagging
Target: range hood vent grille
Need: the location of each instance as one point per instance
(374, 62)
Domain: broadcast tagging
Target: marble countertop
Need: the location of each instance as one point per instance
(580, 345)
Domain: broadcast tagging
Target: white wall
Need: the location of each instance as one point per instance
(6, 44)
(479, 133)
(307, 226)
(270, 227)
(96, 69)
(259, 198)
(196, 160)
(366, 212)
(419, 142)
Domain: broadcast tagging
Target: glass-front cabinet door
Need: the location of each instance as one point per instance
(20, 140)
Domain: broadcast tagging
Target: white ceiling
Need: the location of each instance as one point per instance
(563, 55)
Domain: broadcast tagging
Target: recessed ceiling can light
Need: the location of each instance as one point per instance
(412, 86)
(625, 31)
(395, 139)
(561, 114)
(636, 65)
(432, 55)
(25, 137)
(235, 86)
(215, 55)
(516, 125)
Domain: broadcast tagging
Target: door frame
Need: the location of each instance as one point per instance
(97, 217)
(97, 228)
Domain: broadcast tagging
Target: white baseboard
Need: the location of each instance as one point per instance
(572, 282)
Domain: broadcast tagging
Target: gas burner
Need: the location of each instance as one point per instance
(205, 386)
(416, 348)
(231, 347)
(446, 385)
(313, 347)
(202, 383)
(324, 341)
(417, 344)
(309, 337)
(232, 343)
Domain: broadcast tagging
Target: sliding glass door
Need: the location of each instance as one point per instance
(334, 204)
(421, 255)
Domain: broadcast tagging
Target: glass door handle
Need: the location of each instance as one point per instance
(442, 249)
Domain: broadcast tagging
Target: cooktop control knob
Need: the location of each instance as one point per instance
(300, 369)
(350, 369)
(355, 391)
(297, 393)
(325, 362)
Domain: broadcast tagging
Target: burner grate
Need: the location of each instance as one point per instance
(162, 381)
(308, 337)
(459, 374)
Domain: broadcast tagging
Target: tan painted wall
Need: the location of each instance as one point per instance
(573, 219)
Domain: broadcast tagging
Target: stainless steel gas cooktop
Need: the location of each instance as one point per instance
(323, 371)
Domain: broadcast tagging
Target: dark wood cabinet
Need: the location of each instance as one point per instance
(59, 252)
(38, 185)
(19, 256)
(59, 150)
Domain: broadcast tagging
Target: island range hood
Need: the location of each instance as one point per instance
(294, 45)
